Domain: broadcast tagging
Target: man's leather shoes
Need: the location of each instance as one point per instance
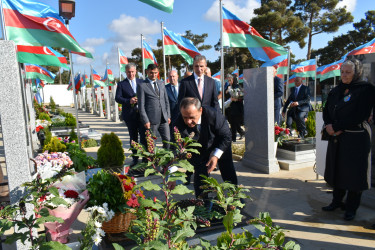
(333, 207)
(349, 215)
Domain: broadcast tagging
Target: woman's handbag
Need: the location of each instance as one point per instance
(324, 133)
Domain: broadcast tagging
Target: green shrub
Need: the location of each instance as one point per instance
(44, 116)
(310, 124)
(89, 143)
(52, 104)
(70, 120)
(55, 146)
(38, 108)
(73, 136)
(110, 153)
(81, 161)
(48, 136)
(60, 111)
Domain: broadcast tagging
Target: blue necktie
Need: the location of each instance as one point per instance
(295, 93)
(174, 91)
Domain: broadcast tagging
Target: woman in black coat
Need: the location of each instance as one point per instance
(346, 115)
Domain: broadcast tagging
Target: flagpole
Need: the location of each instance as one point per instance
(3, 21)
(143, 59)
(316, 66)
(107, 104)
(162, 40)
(119, 62)
(222, 56)
(334, 81)
(93, 92)
(287, 76)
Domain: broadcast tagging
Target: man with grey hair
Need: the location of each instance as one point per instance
(126, 95)
(172, 91)
(209, 128)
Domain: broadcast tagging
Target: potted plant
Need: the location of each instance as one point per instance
(110, 153)
(121, 194)
(281, 134)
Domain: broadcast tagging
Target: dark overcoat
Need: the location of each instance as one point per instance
(348, 108)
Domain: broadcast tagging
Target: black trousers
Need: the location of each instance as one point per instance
(134, 128)
(226, 167)
(235, 122)
(353, 198)
(299, 118)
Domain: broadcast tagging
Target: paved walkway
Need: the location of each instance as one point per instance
(293, 198)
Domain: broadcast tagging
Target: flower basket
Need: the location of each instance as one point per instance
(121, 221)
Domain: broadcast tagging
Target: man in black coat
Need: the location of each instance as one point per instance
(199, 85)
(211, 130)
(278, 92)
(172, 91)
(299, 101)
(126, 95)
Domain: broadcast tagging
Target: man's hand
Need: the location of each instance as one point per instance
(283, 114)
(293, 104)
(169, 120)
(211, 164)
(133, 100)
(148, 125)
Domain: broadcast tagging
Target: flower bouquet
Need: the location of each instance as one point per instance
(236, 93)
(121, 194)
(281, 134)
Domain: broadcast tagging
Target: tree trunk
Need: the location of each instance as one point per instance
(310, 37)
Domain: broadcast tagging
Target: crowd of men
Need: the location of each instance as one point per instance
(192, 105)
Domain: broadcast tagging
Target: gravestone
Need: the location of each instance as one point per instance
(13, 124)
(259, 120)
(94, 101)
(115, 116)
(107, 103)
(100, 101)
(32, 127)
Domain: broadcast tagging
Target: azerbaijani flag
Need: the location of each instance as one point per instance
(38, 97)
(217, 75)
(235, 72)
(164, 5)
(34, 71)
(175, 44)
(41, 56)
(237, 33)
(149, 56)
(329, 70)
(240, 78)
(366, 48)
(78, 83)
(86, 79)
(292, 81)
(123, 60)
(97, 79)
(29, 22)
(282, 67)
(305, 68)
(108, 76)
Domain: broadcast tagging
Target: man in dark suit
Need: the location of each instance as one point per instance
(278, 92)
(126, 94)
(299, 101)
(154, 105)
(211, 130)
(199, 85)
(172, 91)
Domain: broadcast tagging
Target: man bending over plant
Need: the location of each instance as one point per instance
(209, 128)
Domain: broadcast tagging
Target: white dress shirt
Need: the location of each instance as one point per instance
(217, 152)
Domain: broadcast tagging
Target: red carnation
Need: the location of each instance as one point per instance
(43, 198)
(277, 132)
(132, 203)
(122, 176)
(71, 194)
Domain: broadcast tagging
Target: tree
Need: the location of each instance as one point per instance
(321, 16)
(363, 32)
(276, 22)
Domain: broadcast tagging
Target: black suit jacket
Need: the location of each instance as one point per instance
(278, 91)
(188, 88)
(214, 133)
(173, 102)
(124, 93)
(303, 99)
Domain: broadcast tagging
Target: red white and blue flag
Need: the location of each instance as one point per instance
(175, 44)
(235, 72)
(305, 68)
(34, 71)
(29, 22)
(97, 79)
(123, 60)
(217, 75)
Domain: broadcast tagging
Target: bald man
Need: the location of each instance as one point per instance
(172, 91)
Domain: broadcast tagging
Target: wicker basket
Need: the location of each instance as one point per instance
(120, 222)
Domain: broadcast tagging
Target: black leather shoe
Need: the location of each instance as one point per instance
(333, 207)
(349, 215)
(373, 226)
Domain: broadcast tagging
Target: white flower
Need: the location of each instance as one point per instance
(105, 205)
(98, 224)
(100, 232)
(101, 210)
(97, 239)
